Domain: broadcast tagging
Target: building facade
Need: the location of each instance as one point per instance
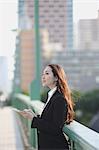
(4, 73)
(81, 67)
(56, 33)
(88, 33)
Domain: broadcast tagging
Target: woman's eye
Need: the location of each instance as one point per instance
(45, 73)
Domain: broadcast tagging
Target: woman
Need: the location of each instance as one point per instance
(57, 110)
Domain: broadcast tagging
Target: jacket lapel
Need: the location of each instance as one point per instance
(50, 101)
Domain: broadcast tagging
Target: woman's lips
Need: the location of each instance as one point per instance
(43, 81)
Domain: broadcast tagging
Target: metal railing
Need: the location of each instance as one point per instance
(80, 137)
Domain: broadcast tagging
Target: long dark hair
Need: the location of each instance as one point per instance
(63, 87)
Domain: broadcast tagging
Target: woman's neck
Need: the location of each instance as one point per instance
(52, 87)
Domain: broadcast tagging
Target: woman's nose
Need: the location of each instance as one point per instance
(43, 76)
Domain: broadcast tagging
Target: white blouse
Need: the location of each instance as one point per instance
(50, 93)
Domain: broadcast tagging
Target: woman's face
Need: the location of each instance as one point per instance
(48, 79)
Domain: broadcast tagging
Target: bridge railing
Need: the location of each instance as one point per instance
(80, 137)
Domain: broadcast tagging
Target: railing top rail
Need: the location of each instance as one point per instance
(82, 134)
(76, 131)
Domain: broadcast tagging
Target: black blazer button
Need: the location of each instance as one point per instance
(38, 131)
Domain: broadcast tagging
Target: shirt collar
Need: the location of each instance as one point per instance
(51, 92)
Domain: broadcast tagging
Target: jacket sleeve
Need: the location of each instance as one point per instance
(54, 127)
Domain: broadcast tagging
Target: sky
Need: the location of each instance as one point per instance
(82, 9)
(8, 22)
(85, 9)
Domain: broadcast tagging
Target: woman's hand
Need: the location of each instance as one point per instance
(28, 114)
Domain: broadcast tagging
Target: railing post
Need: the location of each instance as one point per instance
(35, 85)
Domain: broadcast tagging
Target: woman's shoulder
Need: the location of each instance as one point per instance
(59, 96)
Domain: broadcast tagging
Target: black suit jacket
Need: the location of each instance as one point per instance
(50, 124)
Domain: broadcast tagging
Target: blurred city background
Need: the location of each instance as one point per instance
(65, 32)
